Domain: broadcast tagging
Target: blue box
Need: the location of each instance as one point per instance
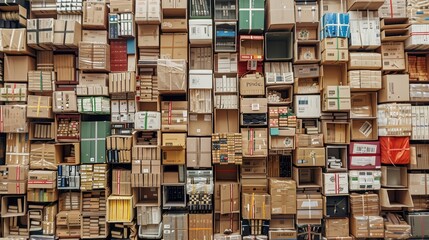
(335, 25)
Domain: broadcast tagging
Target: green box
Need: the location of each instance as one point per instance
(93, 141)
(251, 17)
(93, 105)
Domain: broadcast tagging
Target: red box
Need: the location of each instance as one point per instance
(364, 155)
(118, 56)
(395, 150)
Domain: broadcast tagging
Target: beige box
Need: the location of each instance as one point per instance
(14, 41)
(255, 142)
(64, 101)
(256, 206)
(38, 39)
(253, 105)
(148, 36)
(364, 61)
(39, 107)
(283, 196)
(395, 88)
(67, 33)
(95, 36)
(252, 84)
(172, 75)
(280, 14)
(148, 11)
(337, 228)
(309, 157)
(13, 119)
(94, 15)
(17, 67)
(174, 46)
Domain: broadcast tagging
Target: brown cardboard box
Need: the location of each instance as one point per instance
(94, 15)
(94, 57)
(309, 157)
(336, 132)
(17, 149)
(309, 207)
(64, 101)
(13, 187)
(256, 206)
(337, 227)
(333, 75)
(13, 173)
(282, 234)
(37, 39)
(200, 125)
(148, 11)
(334, 43)
(335, 183)
(252, 84)
(42, 179)
(395, 198)
(200, 226)
(280, 14)
(174, 148)
(282, 222)
(364, 79)
(335, 56)
(174, 46)
(336, 92)
(121, 6)
(363, 105)
(364, 129)
(255, 142)
(65, 67)
(39, 107)
(225, 223)
(364, 204)
(337, 105)
(95, 36)
(254, 185)
(253, 105)
(254, 168)
(174, 116)
(121, 182)
(419, 156)
(306, 71)
(13, 119)
(284, 139)
(175, 226)
(148, 36)
(393, 56)
(227, 197)
(395, 88)
(283, 196)
(172, 75)
(364, 4)
(418, 183)
(14, 41)
(67, 33)
(174, 25)
(198, 152)
(307, 13)
(308, 177)
(367, 226)
(309, 140)
(394, 177)
(361, 60)
(17, 67)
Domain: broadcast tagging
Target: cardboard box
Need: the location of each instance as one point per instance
(362, 80)
(198, 152)
(256, 206)
(281, 191)
(13, 187)
(393, 56)
(174, 116)
(362, 60)
(64, 101)
(364, 4)
(67, 33)
(418, 183)
(38, 179)
(417, 222)
(336, 105)
(200, 31)
(200, 226)
(417, 38)
(252, 185)
(367, 226)
(253, 168)
(251, 47)
(337, 228)
(389, 122)
(336, 132)
(309, 207)
(333, 75)
(41, 81)
(254, 142)
(364, 129)
(94, 15)
(13, 119)
(253, 105)
(93, 139)
(282, 234)
(279, 46)
(13, 92)
(95, 36)
(335, 56)
(364, 204)
(309, 177)
(394, 177)
(17, 67)
(393, 9)
(307, 13)
(334, 44)
(363, 105)
(306, 71)
(174, 46)
(280, 15)
(172, 76)
(251, 16)
(147, 120)
(37, 39)
(227, 197)
(17, 149)
(147, 35)
(362, 25)
(395, 89)
(226, 222)
(200, 125)
(308, 157)
(39, 107)
(395, 198)
(121, 182)
(13, 173)
(336, 92)
(282, 139)
(148, 11)
(335, 183)
(233, 142)
(282, 222)
(121, 6)
(364, 180)
(174, 148)
(14, 41)
(307, 106)
(174, 24)
(309, 140)
(94, 57)
(252, 84)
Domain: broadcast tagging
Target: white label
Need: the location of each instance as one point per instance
(363, 161)
(364, 149)
(255, 106)
(309, 204)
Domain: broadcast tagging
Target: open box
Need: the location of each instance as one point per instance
(173, 174)
(336, 132)
(225, 37)
(278, 46)
(150, 196)
(251, 47)
(41, 131)
(363, 105)
(306, 33)
(174, 195)
(279, 95)
(309, 177)
(336, 158)
(67, 127)
(306, 53)
(226, 120)
(395, 198)
(334, 75)
(226, 173)
(417, 66)
(225, 62)
(307, 86)
(13, 206)
(15, 227)
(67, 153)
(394, 177)
(364, 129)
(282, 139)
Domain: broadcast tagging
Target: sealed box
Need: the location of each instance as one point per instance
(177, 24)
(198, 152)
(394, 119)
(393, 56)
(367, 226)
(306, 13)
(334, 44)
(67, 33)
(64, 101)
(256, 206)
(13, 92)
(307, 106)
(364, 204)
(174, 46)
(253, 105)
(93, 105)
(364, 180)
(281, 191)
(42, 156)
(200, 124)
(335, 25)
(280, 15)
(418, 183)
(309, 140)
(364, 30)
(93, 138)
(362, 80)
(309, 157)
(253, 185)
(148, 36)
(252, 84)
(253, 168)
(172, 75)
(309, 207)
(148, 11)
(282, 234)
(395, 88)
(200, 31)
(282, 139)
(94, 15)
(335, 183)
(306, 71)
(37, 39)
(337, 228)
(42, 179)
(364, 60)
(17, 67)
(417, 36)
(94, 57)
(336, 92)
(13, 173)
(13, 187)
(41, 81)
(121, 182)
(13, 119)
(226, 197)
(200, 226)
(393, 9)
(337, 105)
(147, 120)
(336, 132)
(14, 41)
(335, 56)
(251, 16)
(255, 142)
(395, 150)
(174, 116)
(39, 107)
(95, 36)
(121, 6)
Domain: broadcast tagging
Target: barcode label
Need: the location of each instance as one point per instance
(366, 128)
(303, 102)
(364, 148)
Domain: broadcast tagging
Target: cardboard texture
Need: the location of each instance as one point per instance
(256, 206)
(16, 68)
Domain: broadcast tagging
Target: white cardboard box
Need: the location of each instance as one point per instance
(200, 79)
(307, 106)
(200, 31)
(364, 180)
(147, 120)
(335, 183)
